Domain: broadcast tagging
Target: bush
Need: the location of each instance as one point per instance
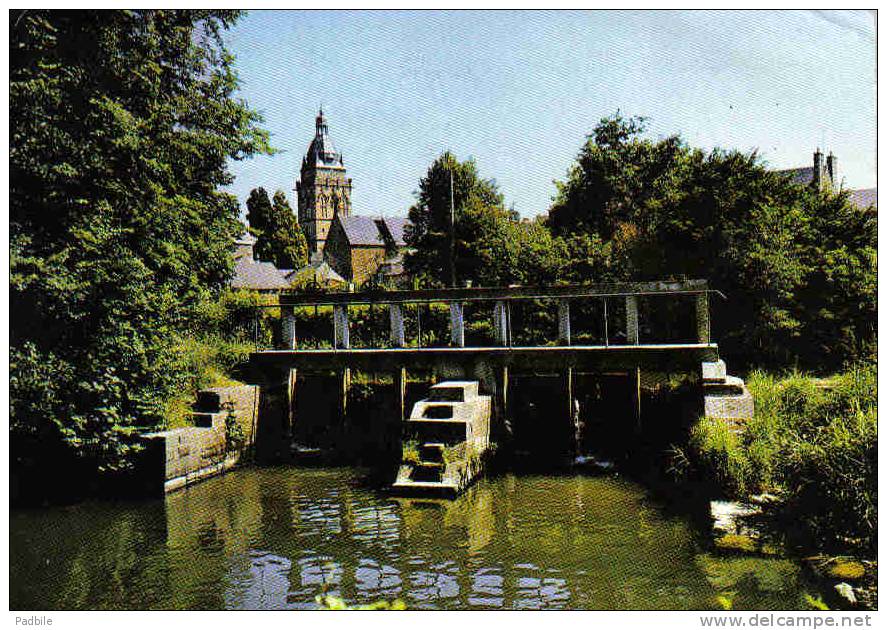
(214, 352)
(812, 440)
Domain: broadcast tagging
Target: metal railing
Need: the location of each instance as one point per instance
(502, 298)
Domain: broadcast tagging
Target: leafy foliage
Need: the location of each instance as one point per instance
(122, 123)
(798, 265)
(279, 238)
(492, 247)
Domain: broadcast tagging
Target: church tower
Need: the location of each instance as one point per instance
(324, 188)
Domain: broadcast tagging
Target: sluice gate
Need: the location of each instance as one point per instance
(486, 336)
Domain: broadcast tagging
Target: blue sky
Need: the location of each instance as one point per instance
(519, 91)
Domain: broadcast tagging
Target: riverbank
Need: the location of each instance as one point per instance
(812, 447)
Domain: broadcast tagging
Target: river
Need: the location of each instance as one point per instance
(270, 538)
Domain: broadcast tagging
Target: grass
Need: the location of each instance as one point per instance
(210, 361)
(812, 441)
(410, 452)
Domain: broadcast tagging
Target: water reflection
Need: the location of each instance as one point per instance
(272, 538)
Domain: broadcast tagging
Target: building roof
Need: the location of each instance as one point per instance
(802, 175)
(322, 152)
(318, 271)
(396, 227)
(360, 230)
(374, 231)
(257, 275)
(864, 197)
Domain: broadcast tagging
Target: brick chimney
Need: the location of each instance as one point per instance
(818, 169)
(832, 166)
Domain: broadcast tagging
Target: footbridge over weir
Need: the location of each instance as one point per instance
(485, 337)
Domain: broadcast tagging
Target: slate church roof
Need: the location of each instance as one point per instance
(257, 275)
(362, 230)
(395, 227)
(374, 231)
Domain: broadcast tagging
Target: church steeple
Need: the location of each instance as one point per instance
(324, 189)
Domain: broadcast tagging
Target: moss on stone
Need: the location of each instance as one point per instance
(736, 542)
(846, 570)
(410, 453)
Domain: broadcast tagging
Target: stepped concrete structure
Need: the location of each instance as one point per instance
(726, 397)
(178, 458)
(446, 438)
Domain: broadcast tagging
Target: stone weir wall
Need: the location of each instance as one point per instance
(180, 457)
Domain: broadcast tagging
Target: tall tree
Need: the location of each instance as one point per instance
(290, 247)
(480, 221)
(259, 211)
(279, 239)
(121, 125)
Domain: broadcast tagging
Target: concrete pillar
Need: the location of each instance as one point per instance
(395, 313)
(457, 325)
(340, 326)
(631, 319)
(500, 323)
(634, 383)
(703, 323)
(288, 328)
(400, 391)
(567, 405)
(344, 387)
(275, 409)
(563, 322)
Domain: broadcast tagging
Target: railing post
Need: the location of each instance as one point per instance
(287, 328)
(500, 323)
(340, 320)
(563, 322)
(703, 321)
(397, 333)
(631, 319)
(400, 387)
(457, 325)
(345, 387)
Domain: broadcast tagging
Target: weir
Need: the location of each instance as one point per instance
(619, 342)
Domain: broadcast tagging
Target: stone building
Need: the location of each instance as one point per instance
(255, 275)
(324, 190)
(359, 247)
(356, 247)
(252, 274)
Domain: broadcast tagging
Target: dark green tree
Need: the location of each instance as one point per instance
(289, 245)
(279, 239)
(259, 212)
(798, 264)
(121, 127)
(481, 223)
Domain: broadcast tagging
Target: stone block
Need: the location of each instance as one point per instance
(714, 371)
